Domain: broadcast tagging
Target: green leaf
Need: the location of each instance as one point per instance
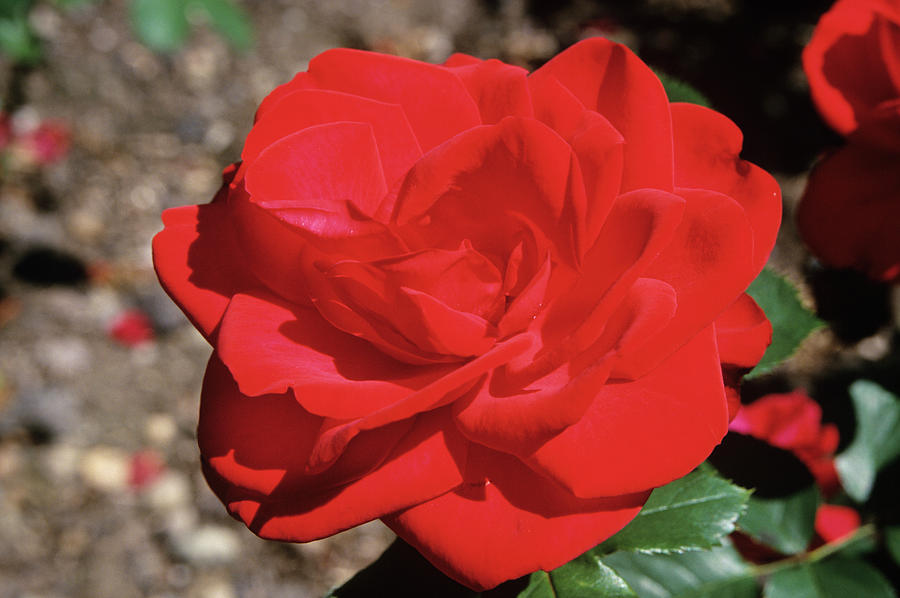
(161, 24)
(17, 39)
(691, 513)
(230, 20)
(791, 322)
(785, 524)
(877, 439)
(584, 576)
(892, 541)
(716, 573)
(836, 577)
(679, 91)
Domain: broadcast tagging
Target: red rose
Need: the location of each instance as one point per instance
(793, 422)
(850, 211)
(852, 61)
(849, 214)
(478, 304)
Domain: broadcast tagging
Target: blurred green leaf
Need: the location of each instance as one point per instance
(584, 576)
(836, 577)
(679, 91)
(716, 573)
(230, 20)
(161, 24)
(791, 322)
(785, 524)
(691, 513)
(877, 439)
(892, 541)
(17, 39)
(73, 3)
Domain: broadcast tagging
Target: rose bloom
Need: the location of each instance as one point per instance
(793, 421)
(850, 212)
(492, 309)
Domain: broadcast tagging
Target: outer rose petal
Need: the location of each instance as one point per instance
(256, 463)
(198, 262)
(850, 61)
(308, 170)
(624, 90)
(397, 145)
(515, 524)
(499, 89)
(833, 522)
(645, 433)
(707, 145)
(434, 99)
(743, 333)
(271, 346)
(793, 421)
(849, 211)
(707, 264)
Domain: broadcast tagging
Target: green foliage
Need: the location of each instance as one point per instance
(837, 577)
(229, 20)
(17, 39)
(163, 24)
(160, 24)
(785, 524)
(679, 91)
(892, 541)
(791, 322)
(691, 513)
(877, 439)
(716, 573)
(585, 576)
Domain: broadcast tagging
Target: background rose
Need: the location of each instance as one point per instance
(850, 210)
(492, 309)
(793, 421)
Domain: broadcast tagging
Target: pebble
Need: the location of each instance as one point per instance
(105, 468)
(160, 429)
(64, 357)
(46, 413)
(208, 545)
(169, 491)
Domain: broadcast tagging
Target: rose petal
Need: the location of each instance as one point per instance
(499, 89)
(516, 414)
(833, 522)
(262, 444)
(445, 390)
(743, 333)
(519, 522)
(397, 146)
(491, 185)
(849, 211)
(643, 433)
(708, 263)
(845, 64)
(626, 92)
(271, 346)
(707, 145)
(436, 102)
(198, 262)
(597, 144)
(308, 170)
(255, 449)
(640, 225)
